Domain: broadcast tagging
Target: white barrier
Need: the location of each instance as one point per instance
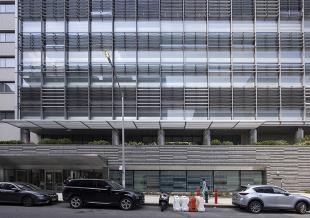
(200, 202)
(176, 203)
(184, 203)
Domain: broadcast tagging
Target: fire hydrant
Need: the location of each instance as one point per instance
(216, 196)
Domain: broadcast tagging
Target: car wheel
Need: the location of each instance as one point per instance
(126, 204)
(27, 201)
(255, 207)
(76, 202)
(301, 208)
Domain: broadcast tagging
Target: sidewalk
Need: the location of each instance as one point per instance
(222, 202)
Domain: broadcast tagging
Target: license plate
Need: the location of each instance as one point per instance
(54, 199)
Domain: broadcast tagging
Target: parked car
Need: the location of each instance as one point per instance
(25, 194)
(79, 192)
(258, 197)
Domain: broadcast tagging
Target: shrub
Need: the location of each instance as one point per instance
(304, 141)
(272, 142)
(11, 142)
(215, 142)
(178, 143)
(99, 142)
(307, 191)
(134, 143)
(227, 143)
(55, 141)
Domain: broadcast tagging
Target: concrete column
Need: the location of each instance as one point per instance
(25, 136)
(1, 175)
(115, 137)
(161, 137)
(299, 134)
(206, 140)
(253, 136)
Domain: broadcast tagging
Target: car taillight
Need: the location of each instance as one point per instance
(243, 193)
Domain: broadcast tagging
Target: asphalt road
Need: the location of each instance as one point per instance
(62, 210)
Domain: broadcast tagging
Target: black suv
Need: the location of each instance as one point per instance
(79, 192)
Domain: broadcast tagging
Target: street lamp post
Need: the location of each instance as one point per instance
(107, 55)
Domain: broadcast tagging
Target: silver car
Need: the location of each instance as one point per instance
(258, 197)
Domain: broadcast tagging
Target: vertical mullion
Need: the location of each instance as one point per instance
(303, 58)
(160, 62)
(231, 60)
(255, 59)
(43, 60)
(89, 57)
(207, 50)
(279, 60)
(137, 56)
(113, 57)
(183, 55)
(66, 56)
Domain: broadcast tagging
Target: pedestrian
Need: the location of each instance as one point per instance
(205, 190)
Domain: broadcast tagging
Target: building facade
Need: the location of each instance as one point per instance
(7, 70)
(191, 70)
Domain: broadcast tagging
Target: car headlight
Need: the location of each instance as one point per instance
(40, 195)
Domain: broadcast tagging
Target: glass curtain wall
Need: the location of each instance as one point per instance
(175, 59)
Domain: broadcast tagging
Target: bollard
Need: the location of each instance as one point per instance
(216, 196)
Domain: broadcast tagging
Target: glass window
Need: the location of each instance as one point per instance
(195, 56)
(32, 26)
(7, 62)
(78, 26)
(195, 26)
(7, 87)
(267, 55)
(194, 179)
(149, 56)
(226, 181)
(243, 26)
(278, 190)
(55, 26)
(172, 56)
(146, 181)
(7, 37)
(125, 56)
(171, 26)
(219, 76)
(32, 58)
(266, 26)
(76, 57)
(98, 57)
(7, 8)
(117, 177)
(251, 177)
(243, 79)
(125, 26)
(268, 113)
(219, 55)
(101, 26)
(148, 26)
(173, 181)
(244, 113)
(195, 80)
(220, 113)
(55, 58)
(172, 113)
(219, 25)
(290, 25)
(172, 79)
(291, 79)
(292, 113)
(267, 79)
(6, 114)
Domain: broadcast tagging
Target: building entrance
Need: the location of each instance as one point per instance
(54, 180)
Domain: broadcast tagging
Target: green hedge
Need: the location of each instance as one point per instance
(11, 142)
(272, 142)
(218, 142)
(304, 141)
(99, 142)
(178, 143)
(55, 141)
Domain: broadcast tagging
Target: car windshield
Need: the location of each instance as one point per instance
(28, 187)
(115, 185)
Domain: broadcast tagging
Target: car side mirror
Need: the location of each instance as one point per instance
(109, 188)
(286, 194)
